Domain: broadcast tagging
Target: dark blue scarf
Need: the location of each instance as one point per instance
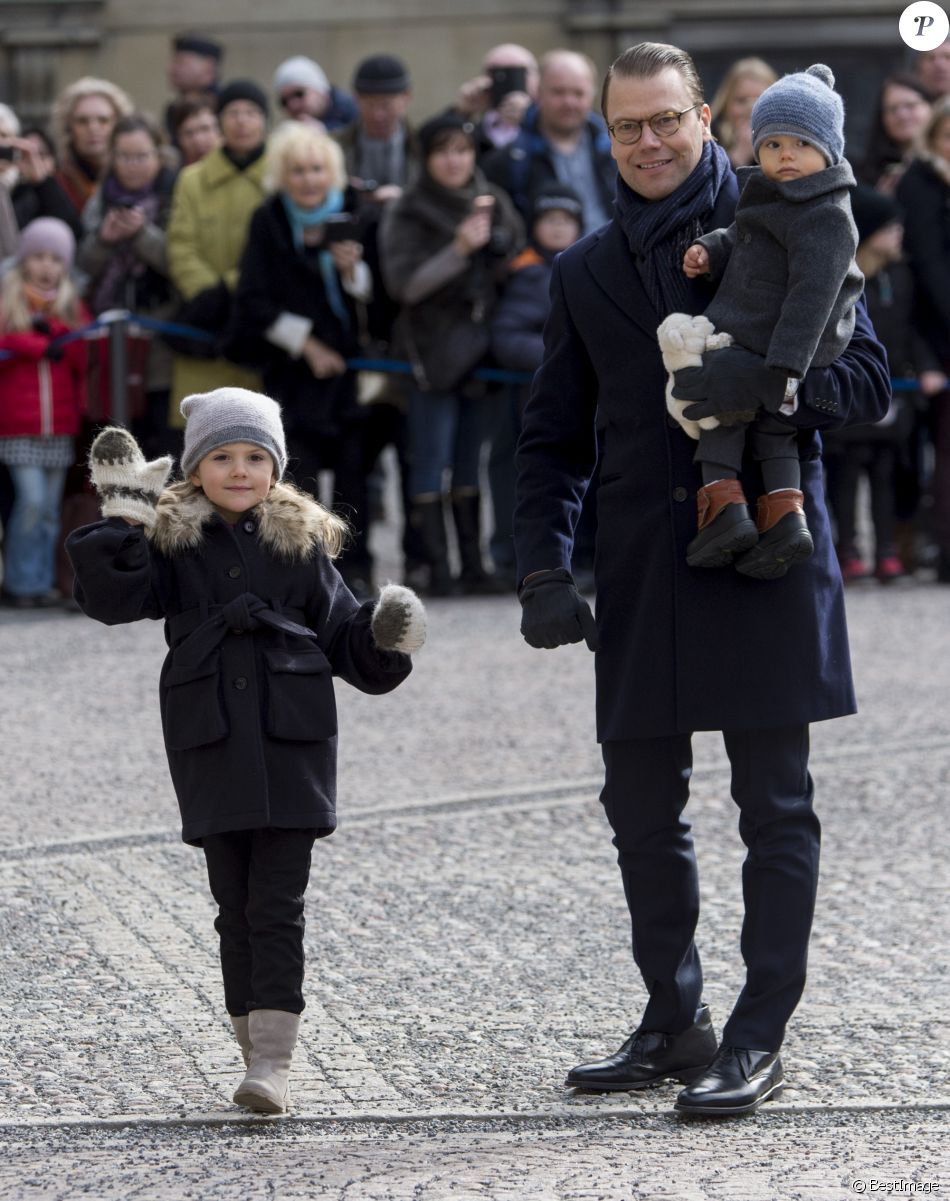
(660, 231)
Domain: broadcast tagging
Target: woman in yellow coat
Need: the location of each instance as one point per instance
(211, 212)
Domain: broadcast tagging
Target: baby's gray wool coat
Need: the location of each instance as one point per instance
(789, 282)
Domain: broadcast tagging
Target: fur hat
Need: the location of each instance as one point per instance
(242, 89)
(47, 233)
(804, 105)
(226, 415)
(381, 75)
(301, 72)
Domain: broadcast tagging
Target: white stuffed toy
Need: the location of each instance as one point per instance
(683, 341)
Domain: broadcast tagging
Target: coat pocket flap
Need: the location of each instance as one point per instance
(298, 663)
(182, 673)
(193, 709)
(300, 702)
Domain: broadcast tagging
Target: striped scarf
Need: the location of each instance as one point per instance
(660, 231)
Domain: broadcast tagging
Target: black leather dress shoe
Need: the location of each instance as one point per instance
(736, 1082)
(650, 1057)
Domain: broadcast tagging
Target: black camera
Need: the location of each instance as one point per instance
(8, 153)
(505, 80)
(341, 227)
(501, 242)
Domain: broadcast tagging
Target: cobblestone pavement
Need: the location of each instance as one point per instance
(792, 1157)
(467, 940)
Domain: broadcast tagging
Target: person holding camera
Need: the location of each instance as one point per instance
(305, 94)
(27, 168)
(124, 255)
(560, 139)
(498, 98)
(296, 319)
(444, 249)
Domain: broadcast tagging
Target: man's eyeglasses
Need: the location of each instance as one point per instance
(664, 125)
(296, 94)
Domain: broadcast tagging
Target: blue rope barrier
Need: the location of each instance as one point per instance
(491, 375)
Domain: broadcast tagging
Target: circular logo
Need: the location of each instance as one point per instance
(924, 25)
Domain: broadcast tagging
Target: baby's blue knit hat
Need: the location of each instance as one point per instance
(804, 105)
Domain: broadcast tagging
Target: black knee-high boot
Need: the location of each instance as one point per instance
(428, 518)
(466, 508)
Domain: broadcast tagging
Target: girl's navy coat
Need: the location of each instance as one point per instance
(257, 620)
(681, 648)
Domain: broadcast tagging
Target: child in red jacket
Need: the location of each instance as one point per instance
(42, 395)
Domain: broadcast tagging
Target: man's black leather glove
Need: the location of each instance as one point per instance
(730, 380)
(553, 612)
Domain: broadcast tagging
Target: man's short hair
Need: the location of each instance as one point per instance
(647, 59)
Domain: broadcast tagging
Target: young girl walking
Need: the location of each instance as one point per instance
(258, 620)
(42, 396)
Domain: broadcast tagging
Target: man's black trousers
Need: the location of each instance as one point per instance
(644, 795)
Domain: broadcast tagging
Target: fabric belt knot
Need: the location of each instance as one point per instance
(239, 614)
(245, 613)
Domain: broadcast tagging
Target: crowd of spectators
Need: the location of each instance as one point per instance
(302, 228)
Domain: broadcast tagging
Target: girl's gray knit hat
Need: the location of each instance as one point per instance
(214, 419)
(804, 105)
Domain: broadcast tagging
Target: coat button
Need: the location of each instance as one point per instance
(240, 683)
(680, 494)
(747, 237)
(234, 572)
(249, 527)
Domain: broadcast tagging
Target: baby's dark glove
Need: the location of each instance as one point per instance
(399, 620)
(128, 486)
(553, 612)
(730, 380)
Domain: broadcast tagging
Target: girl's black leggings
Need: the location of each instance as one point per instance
(258, 879)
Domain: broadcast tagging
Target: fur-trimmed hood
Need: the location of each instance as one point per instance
(291, 524)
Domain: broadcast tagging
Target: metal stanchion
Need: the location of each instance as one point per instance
(118, 373)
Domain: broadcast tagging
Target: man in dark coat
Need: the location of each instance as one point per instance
(560, 140)
(681, 649)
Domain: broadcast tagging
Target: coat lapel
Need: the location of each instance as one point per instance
(611, 264)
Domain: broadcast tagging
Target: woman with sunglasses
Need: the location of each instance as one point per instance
(305, 94)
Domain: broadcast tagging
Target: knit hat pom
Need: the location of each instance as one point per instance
(802, 105)
(825, 74)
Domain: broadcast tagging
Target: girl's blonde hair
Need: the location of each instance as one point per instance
(294, 139)
(68, 98)
(15, 313)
